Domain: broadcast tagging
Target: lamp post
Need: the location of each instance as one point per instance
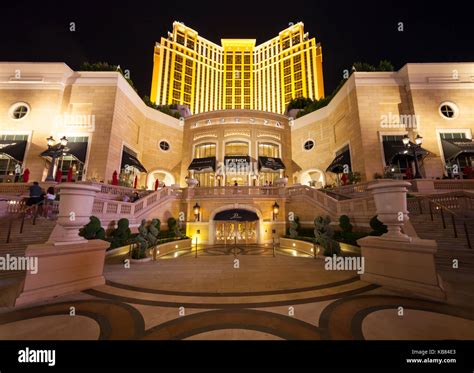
(197, 212)
(276, 209)
(418, 142)
(55, 150)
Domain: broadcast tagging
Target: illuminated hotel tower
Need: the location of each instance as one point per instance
(191, 70)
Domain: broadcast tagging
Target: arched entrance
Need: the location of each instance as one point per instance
(235, 223)
(164, 177)
(313, 177)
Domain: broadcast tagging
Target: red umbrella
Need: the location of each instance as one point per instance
(157, 183)
(114, 178)
(59, 176)
(26, 175)
(69, 175)
(135, 182)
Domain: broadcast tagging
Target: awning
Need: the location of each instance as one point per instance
(394, 149)
(54, 150)
(237, 163)
(78, 150)
(13, 148)
(454, 148)
(338, 163)
(236, 215)
(270, 164)
(131, 161)
(207, 164)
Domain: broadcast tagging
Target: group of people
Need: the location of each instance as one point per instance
(133, 198)
(42, 199)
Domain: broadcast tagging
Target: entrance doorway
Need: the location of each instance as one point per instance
(236, 226)
(232, 232)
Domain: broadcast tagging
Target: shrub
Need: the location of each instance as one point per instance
(344, 223)
(93, 230)
(294, 227)
(122, 235)
(378, 228)
(324, 234)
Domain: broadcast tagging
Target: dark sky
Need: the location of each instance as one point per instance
(124, 34)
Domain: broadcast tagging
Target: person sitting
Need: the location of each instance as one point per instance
(126, 198)
(135, 197)
(50, 197)
(35, 194)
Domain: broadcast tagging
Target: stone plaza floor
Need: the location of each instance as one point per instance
(242, 293)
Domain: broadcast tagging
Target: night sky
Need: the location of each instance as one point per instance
(125, 34)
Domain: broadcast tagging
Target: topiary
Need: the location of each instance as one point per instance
(139, 252)
(121, 235)
(173, 228)
(93, 230)
(324, 234)
(294, 227)
(345, 224)
(153, 233)
(378, 228)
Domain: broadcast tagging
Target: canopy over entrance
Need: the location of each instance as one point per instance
(236, 215)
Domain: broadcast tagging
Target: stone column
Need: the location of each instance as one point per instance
(396, 260)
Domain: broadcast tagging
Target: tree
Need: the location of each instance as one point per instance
(121, 235)
(345, 224)
(294, 227)
(378, 228)
(93, 230)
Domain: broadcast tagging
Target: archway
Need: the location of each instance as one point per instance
(163, 176)
(313, 177)
(252, 225)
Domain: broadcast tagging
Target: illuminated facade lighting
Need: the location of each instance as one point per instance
(190, 70)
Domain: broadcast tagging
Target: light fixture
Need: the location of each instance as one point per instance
(63, 141)
(197, 211)
(276, 209)
(406, 140)
(418, 140)
(50, 141)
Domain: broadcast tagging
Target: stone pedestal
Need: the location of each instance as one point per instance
(63, 270)
(396, 260)
(408, 267)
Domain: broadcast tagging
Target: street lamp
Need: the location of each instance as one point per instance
(55, 151)
(276, 209)
(418, 142)
(197, 211)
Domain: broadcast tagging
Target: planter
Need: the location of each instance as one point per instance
(191, 182)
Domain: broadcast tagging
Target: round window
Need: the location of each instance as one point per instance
(19, 110)
(448, 110)
(164, 145)
(308, 145)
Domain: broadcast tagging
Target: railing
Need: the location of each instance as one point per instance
(465, 184)
(19, 208)
(234, 191)
(131, 209)
(21, 188)
(445, 206)
(353, 188)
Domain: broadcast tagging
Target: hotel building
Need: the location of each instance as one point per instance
(250, 145)
(238, 74)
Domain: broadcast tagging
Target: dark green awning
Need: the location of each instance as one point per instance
(131, 161)
(236, 215)
(454, 148)
(207, 164)
(270, 164)
(13, 148)
(338, 163)
(394, 149)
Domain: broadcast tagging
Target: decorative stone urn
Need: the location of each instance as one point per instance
(191, 182)
(76, 202)
(391, 205)
(281, 181)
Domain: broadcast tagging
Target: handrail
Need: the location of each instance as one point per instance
(452, 213)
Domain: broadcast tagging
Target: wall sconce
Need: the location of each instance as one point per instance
(197, 212)
(276, 209)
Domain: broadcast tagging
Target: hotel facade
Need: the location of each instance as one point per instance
(224, 156)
